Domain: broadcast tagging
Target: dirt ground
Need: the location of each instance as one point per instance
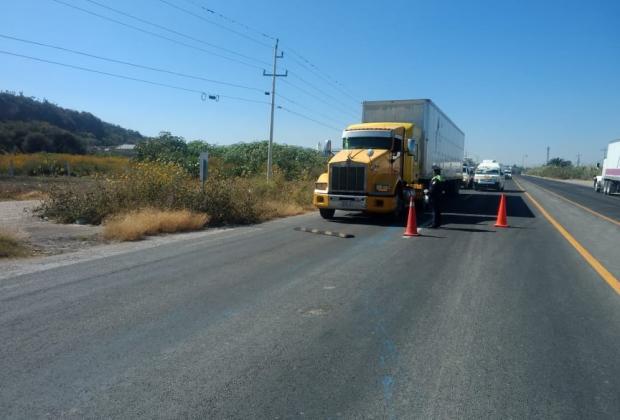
(34, 187)
(42, 236)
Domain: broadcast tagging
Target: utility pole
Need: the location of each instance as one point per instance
(273, 75)
(578, 158)
(547, 155)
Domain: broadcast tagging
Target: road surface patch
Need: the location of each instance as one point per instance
(325, 232)
(611, 280)
(581, 206)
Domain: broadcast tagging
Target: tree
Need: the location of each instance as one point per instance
(36, 142)
(559, 162)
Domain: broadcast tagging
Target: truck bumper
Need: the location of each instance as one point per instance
(482, 184)
(371, 204)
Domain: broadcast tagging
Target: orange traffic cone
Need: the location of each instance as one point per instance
(501, 213)
(412, 227)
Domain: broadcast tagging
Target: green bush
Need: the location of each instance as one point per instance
(226, 200)
(565, 172)
(236, 160)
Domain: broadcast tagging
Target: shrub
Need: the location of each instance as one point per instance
(565, 172)
(11, 247)
(137, 224)
(168, 187)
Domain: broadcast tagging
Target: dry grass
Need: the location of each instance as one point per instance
(136, 225)
(275, 209)
(11, 246)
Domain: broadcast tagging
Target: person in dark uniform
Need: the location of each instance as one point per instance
(436, 192)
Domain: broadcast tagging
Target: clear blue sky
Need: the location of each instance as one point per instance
(516, 76)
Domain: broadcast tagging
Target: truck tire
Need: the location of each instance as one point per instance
(399, 211)
(327, 213)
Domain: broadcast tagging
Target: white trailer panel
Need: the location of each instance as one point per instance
(611, 164)
(442, 142)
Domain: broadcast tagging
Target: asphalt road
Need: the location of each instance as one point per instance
(467, 321)
(608, 205)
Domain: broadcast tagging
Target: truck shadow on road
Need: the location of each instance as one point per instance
(469, 208)
(478, 205)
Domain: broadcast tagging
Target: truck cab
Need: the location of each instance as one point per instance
(374, 171)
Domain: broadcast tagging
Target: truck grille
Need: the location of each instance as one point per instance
(347, 179)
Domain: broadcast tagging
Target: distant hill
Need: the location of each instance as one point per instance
(29, 125)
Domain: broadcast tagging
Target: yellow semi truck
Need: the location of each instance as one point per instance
(389, 157)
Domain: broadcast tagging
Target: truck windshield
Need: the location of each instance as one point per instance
(367, 143)
(487, 171)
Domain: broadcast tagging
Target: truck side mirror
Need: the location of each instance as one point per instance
(598, 165)
(327, 149)
(411, 148)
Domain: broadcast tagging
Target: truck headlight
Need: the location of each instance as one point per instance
(320, 186)
(382, 187)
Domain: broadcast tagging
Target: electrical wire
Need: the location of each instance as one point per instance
(316, 88)
(127, 63)
(136, 28)
(304, 63)
(279, 95)
(189, 12)
(308, 118)
(318, 98)
(224, 17)
(204, 95)
(173, 31)
(315, 70)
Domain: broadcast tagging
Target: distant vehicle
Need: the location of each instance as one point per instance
(389, 157)
(609, 180)
(468, 177)
(508, 172)
(489, 174)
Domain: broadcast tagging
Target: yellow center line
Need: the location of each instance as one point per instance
(594, 263)
(602, 216)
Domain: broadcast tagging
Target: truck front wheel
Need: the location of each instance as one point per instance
(327, 213)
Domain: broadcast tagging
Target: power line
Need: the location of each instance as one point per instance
(224, 17)
(309, 66)
(90, 12)
(319, 90)
(204, 95)
(212, 23)
(313, 68)
(279, 95)
(127, 63)
(308, 118)
(165, 28)
(317, 97)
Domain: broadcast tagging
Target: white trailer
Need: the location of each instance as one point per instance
(443, 143)
(609, 180)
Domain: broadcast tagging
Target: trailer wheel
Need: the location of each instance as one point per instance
(327, 213)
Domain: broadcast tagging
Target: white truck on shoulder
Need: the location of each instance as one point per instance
(609, 180)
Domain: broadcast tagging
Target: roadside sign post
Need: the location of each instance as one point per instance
(11, 168)
(203, 162)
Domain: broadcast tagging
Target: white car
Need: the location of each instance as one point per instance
(489, 174)
(468, 177)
